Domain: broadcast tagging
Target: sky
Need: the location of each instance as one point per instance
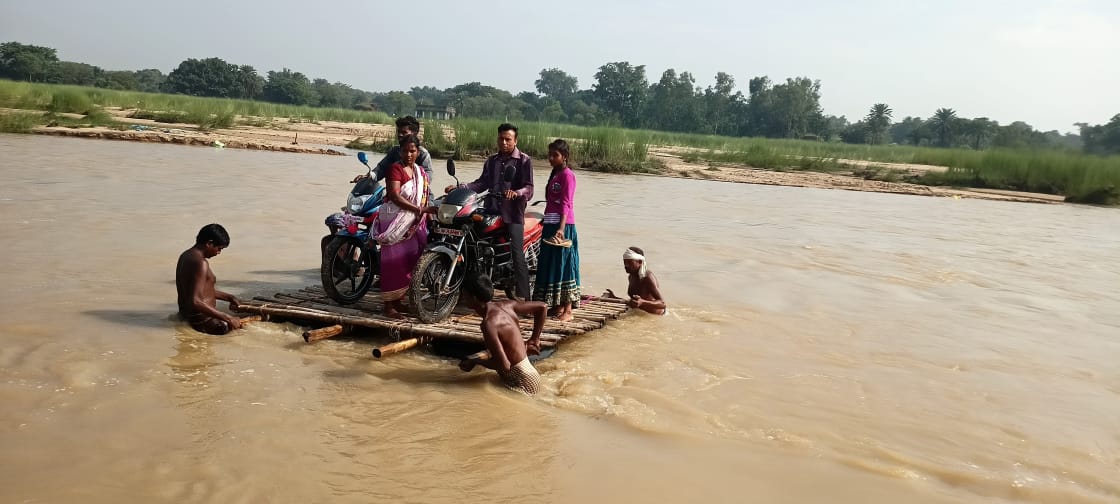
(1049, 63)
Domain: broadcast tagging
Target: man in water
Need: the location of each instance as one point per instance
(509, 354)
(510, 199)
(195, 282)
(643, 290)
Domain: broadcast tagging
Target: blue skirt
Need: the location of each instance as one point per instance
(558, 269)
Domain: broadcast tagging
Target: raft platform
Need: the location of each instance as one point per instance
(312, 305)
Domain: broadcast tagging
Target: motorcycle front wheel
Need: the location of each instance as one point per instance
(348, 270)
(426, 295)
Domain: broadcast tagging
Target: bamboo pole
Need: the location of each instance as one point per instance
(607, 299)
(553, 326)
(251, 318)
(485, 354)
(397, 347)
(570, 328)
(379, 323)
(314, 335)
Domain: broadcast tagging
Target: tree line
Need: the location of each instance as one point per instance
(620, 96)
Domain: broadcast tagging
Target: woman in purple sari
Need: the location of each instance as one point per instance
(400, 225)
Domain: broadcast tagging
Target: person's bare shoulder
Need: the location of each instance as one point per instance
(190, 260)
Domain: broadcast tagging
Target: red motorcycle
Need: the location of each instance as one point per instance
(464, 237)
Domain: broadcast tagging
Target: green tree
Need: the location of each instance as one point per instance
(855, 133)
(584, 111)
(398, 104)
(535, 104)
(205, 77)
(724, 108)
(291, 87)
(553, 112)
(428, 95)
(250, 85)
(910, 130)
(121, 79)
(878, 123)
(69, 72)
(1017, 135)
(1103, 138)
(26, 62)
(978, 130)
(759, 105)
(943, 124)
(795, 108)
(337, 95)
(832, 127)
(622, 89)
(149, 80)
(556, 83)
(673, 103)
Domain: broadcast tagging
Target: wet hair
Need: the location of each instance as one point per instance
(479, 286)
(504, 127)
(410, 139)
(213, 233)
(638, 250)
(411, 122)
(559, 145)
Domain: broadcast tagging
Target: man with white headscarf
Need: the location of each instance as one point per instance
(643, 290)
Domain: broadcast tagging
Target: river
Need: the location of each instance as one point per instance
(822, 346)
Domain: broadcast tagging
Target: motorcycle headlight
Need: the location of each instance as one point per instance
(354, 203)
(447, 213)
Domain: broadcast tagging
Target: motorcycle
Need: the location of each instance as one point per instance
(463, 237)
(351, 260)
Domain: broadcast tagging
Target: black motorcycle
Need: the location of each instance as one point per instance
(465, 236)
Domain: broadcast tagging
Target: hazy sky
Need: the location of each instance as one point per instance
(1050, 63)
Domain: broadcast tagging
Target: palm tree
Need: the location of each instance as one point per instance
(878, 121)
(943, 122)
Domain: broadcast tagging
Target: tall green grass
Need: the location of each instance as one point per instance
(1080, 178)
(19, 122)
(597, 148)
(34, 96)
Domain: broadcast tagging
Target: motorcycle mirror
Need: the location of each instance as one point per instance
(509, 173)
(362, 157)
(451, 167)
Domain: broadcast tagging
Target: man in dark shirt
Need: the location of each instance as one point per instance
(406, 126)
(510, 198)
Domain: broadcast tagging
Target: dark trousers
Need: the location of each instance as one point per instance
(520, 267)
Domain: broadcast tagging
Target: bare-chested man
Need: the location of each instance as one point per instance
(643, 290)
(195, 283)
(509, 353)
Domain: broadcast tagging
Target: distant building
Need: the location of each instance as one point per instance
(435, 112)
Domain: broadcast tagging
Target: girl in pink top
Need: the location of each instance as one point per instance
(558, 266)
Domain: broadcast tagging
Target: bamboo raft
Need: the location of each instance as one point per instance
(312, 305)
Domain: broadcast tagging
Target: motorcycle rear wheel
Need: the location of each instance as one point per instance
(347, 279)
(426, 295)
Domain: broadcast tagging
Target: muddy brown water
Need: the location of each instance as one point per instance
(822, 346)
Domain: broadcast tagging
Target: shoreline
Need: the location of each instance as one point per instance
(331, 138)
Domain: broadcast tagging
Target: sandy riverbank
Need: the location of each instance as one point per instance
(328, 137)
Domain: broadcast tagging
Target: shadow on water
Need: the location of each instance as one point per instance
(309, 274)
(453, 376)
(153, 319)
(295, 279)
